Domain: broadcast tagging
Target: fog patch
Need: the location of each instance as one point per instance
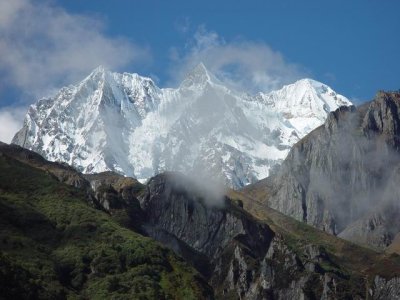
(11, 119)
(200, 186)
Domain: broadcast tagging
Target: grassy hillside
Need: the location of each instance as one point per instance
(54, 245)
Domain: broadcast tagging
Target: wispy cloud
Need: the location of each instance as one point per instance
(10, 122)
(42, 46)
(246, 65)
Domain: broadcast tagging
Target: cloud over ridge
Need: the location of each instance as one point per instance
(241, 64)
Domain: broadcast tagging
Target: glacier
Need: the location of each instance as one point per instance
(125, 123)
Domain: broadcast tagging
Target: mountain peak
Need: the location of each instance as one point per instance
(99, 69)
(198, 76)
(200, 68)
(309, 81)
(142, 130)
(308, 87)
(97, 73)
(310, 84)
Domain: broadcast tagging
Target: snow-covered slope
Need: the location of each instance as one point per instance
(125, 123)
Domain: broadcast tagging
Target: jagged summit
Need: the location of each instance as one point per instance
(99, 69)
(200, 69)
(102, 72)
(197, 78)
(99, 73)
(125, 123)
(303, 101)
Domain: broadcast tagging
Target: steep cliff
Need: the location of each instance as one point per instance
(262, 255)
(343, 176)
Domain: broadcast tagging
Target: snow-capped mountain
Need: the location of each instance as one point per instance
(125, 123)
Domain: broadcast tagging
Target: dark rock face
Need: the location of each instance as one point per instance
(170, 205)
(386, 289)
(240, 257)
(113, 190)
(118, 196)
(230, 240)
(383, 118)
(341, 177)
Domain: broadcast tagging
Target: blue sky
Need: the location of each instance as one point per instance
(353, 46)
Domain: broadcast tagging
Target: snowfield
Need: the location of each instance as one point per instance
(125, 123)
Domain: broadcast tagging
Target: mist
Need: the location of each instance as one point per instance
(200, 187)
(201, 118)
(11, 121)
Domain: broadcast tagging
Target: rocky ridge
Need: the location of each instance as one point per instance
(126, 124)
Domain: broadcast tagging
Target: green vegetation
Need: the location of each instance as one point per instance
(54, 245)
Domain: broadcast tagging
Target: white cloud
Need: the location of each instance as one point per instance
(42, 46)
(252, 66)
(10, 122)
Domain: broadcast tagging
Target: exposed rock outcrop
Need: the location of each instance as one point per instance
(343, 177)
(385, 289)
(242, 257)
